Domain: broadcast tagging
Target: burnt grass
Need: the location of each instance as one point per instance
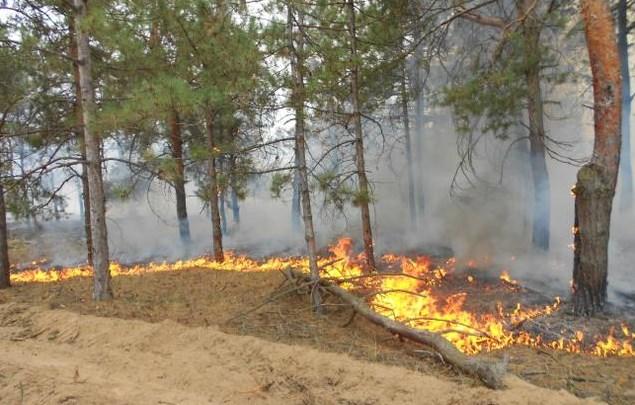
(227, 300)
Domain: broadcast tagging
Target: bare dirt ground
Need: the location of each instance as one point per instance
(188, 350)
(56, 356)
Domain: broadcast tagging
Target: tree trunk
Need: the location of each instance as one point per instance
(596, 182)
(222, 192)
(297, 99)
(419, 120)
(626, 169)
(217, 232)
(85, 199)
(5, 274)
(234, 193)
(101, 273)
(296, 214)
(406, 124)
(535, 113)
(363, 198)
(176, 145)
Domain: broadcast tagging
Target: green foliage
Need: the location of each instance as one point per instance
(335, 191)
(492, 95)
(278, 182)
(121, 191)
(358, 198)
(496, 95)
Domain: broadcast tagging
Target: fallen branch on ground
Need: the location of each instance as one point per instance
(491, 374)
(296, 287)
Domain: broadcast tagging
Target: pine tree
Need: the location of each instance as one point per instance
(595, 186)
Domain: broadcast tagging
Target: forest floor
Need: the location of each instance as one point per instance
(176, 338)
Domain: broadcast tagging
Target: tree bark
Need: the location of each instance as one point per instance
(491, 374)
(298, 99)
(176, 145)
(234, 193)
(412, 205)
(217, 232)
(595, 187)
(85, 199)
(419, 121)
(626, 168)
(222, 192)
(296, 198)
(535, 113)
(363, 188)
(102, 289)
(5, 269)
(540, 175)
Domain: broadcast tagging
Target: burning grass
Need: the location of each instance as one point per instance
(417, 291)
(199, 297)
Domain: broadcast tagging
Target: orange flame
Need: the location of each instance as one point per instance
(408, 297)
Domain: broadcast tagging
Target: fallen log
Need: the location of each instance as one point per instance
(490, 373)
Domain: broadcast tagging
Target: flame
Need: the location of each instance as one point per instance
(505, 277)
(406, 295)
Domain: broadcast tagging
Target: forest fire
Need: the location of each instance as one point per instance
(406, 291)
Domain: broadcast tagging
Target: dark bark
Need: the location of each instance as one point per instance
(531, 30)
(535, 113)
(626, 168)
(234, 194)
(364, 197)
(82, 144)
(406, 124)
(5, 274)
(296, 214)
(595, 187)
(217, 233)
(176, 146)
(298, 97)
(222, 192)
(102, 289)
(419, 121)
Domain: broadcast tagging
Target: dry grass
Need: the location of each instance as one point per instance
(203, 298)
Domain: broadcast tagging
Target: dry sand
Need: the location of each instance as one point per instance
(55, 356)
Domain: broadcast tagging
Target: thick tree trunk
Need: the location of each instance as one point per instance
(101, 273)
(217, 232)
(596, 183)
(85, 199)
(412, 205)
(298, 99)
(176, 145)
(626, 169)
(5, 275)
(535, 113)
(364, 197)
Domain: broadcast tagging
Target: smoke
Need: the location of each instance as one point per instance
(488, 220)
(484, 215)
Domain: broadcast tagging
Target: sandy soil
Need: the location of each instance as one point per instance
(56, 356)
(200, 298)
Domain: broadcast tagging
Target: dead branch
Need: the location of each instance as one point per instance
(491, 374)
(269, 300)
